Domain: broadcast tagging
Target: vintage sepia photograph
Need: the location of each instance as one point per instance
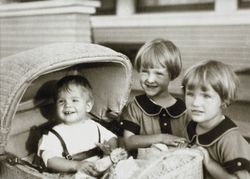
(124, 89)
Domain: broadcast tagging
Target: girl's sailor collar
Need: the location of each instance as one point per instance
(152, 109)
(212, 136)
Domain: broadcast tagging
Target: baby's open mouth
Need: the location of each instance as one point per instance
(151, 86)
(68, 112)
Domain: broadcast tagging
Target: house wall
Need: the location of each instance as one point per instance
(27, 25)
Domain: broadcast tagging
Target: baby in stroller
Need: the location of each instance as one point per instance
(77, 133)
(27, 106)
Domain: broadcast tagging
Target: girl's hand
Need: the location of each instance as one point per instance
(105, 147)
(87, 167)
(172, 140)
(214, 168)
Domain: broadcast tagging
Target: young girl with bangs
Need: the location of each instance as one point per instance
(155, 116)
(209, 88)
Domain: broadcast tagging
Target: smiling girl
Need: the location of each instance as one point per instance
(155, 116)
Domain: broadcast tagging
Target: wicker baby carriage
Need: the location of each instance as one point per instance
(179, 164)
(26, 84)
(152, 163)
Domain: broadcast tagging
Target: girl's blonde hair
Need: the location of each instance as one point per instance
(159, 52)
(217, 74)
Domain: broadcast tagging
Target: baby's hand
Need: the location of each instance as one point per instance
(105, 147)
(173, 140)
(88, 168)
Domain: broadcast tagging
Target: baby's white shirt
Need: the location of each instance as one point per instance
(77, 137)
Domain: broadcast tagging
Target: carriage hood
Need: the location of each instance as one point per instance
(109, 73)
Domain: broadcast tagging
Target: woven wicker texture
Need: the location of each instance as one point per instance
(182, 163)
(20, 70)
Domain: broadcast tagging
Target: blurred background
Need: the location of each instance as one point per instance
(202, 29)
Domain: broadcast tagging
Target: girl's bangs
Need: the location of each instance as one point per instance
(197, 78)
(151, 59)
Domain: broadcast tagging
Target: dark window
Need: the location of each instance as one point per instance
(108, 7)
(173, 5)
(243, 4)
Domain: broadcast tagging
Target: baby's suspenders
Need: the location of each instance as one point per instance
(39, 165)
(82, 155)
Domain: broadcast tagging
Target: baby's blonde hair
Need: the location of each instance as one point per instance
(159, 52)
(217, 74)
(78, 80)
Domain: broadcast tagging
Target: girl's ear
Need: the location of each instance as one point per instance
(89, 105)
(224, 104)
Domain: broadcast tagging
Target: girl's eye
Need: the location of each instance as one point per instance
(75, 100)
(206, 96)
(159, 74)
(189, 93)
(144, 71)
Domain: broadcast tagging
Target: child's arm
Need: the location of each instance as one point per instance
(62, 165)
(214, 168)
(108, 146)
(133, 141)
